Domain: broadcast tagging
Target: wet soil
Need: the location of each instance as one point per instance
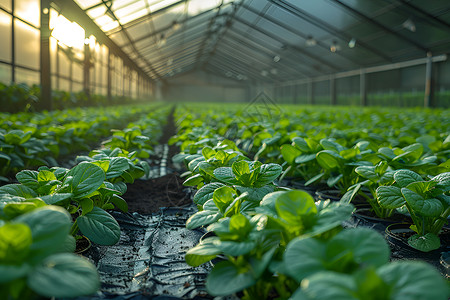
(148, 196)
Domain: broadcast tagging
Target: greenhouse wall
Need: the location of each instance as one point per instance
(203, 86)
(76, 65)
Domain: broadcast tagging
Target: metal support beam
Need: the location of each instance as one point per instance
(45, 79)
(86, 70)
(386, 29)
(332, 90)
(362, 88)
(109, 77)
(428, 99)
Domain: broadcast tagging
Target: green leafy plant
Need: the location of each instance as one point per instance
(34, 258)
(427, 201)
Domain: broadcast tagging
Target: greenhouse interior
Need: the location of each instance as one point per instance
(225, 149)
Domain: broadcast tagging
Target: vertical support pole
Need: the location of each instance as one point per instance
(45, 79)
(310, 91)
(362, 88)
(86, 70)
(13, 45)
(295, 94)
(109, 77)
(428, 99)
(332, 90)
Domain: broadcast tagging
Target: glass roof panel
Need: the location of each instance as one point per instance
(87, 3)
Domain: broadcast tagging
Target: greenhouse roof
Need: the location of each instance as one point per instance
(271, 40)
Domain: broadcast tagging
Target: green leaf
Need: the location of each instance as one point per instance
(350, 194)
(28, 178)
(425, 207)
(390, 197)
(202, 218)
(117, 165)
(293, 205)
(414, 280)
(55, 198)
(425, 243)
(225, 175)
(289, 153)
(367, 172)
(330, 286)
(332, 181)
(302, 144)
(100, 227)
(86, 179)
(208, 152)
(240, 168)
(193, 180)
(227, 278)
(18, 190)
(119, 202)
(8, 273)
(255, 194)
(203, 252)
(12, 210)
(268, 173)
(329, 160)
(405, 177)
(367, 246)
(49, 227)
(64, 275)
(315, 178)
(235, 248)
(15, 242)
(329, 217)
(206, 192)
(305, 158)
(223, 197)
(86, 205)
(304, 257)
(45, 176)
(240, 225)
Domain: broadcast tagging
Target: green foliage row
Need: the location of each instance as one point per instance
(64, 205)
(20, 97)
(354, 151)
(28, 140)
(274, 241)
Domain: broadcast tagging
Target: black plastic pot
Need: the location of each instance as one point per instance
(332, 195)
(397, 236)
(82, 245)
(363, 216)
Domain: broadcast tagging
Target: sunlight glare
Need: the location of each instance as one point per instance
(66, 32)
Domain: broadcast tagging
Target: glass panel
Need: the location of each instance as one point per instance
(5, 36)
(77, 87)
(64, 85)
(87, 3)
(26, 76)
(53, 54)
(6, 4)
(28, 10)
(77, 74)
(5, 73)
(64, 64)
(27, 45)
(55, 83)
(97, 12)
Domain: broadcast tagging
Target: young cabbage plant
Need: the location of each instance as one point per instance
(427, 201)
(338, 163)
(81, 190)
(300, 156)
(253, 247)
(354, 264)
(34, 258)
(201, 166)
(374, 176)
(118, 164)
(411, 157)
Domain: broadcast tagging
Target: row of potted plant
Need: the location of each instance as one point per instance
(52, 208)
(29, 140)
(272, 242)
